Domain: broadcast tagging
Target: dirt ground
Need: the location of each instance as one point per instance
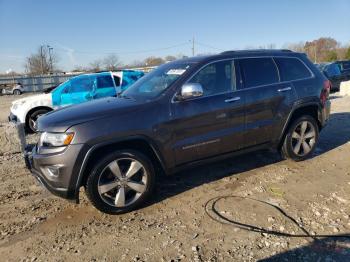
(309, 199)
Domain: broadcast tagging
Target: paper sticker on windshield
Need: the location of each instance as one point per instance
(176, 71)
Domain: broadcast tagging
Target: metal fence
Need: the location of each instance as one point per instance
(41, 82)
(37, 83)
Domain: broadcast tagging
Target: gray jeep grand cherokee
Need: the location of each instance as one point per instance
(183, 113)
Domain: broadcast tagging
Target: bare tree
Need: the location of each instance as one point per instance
(135, 63)
(96, 65)
(111, 62)
(153, 61)
(42, 62)
(79, 69)
(297, 47)
(169, 58)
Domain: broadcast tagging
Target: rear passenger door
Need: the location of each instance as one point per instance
(267, 100)
(104, 86)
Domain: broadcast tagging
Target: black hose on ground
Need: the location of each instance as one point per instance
(248, 227)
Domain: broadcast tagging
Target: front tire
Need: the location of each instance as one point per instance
(120, 182)
(301, 139)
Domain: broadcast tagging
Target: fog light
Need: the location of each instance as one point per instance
(53, 171)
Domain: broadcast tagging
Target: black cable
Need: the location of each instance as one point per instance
(256, 228)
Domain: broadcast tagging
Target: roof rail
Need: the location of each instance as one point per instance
(254, 51)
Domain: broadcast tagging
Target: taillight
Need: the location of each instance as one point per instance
(325, 91)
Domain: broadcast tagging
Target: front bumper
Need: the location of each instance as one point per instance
(62, 182)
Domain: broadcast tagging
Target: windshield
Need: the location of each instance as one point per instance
(54, 88)
(157, 81)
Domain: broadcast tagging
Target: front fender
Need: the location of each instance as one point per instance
(30, 103)
(88, 153)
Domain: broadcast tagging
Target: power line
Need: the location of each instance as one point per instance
(120, 53)
(210, 46)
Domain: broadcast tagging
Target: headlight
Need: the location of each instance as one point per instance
(55, 139)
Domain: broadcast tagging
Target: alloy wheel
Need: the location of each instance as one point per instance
(122, 182)
(303, 138)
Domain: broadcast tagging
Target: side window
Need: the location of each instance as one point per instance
(64, 87)
(81, 84)
(345, 65)
(216, 78)
(291, 69)
(332, 70)
(116, 80)
(258, 71)
(104, 81)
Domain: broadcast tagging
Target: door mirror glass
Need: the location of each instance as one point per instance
(191, 90)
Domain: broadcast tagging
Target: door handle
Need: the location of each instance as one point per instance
(284, 89)
(232, 99)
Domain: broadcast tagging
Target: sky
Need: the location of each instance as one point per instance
(82, 31)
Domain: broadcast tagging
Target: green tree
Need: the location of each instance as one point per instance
(347, 54)
(319, 49)
(331, 56)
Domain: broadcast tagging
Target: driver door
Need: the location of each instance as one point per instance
(212, 124)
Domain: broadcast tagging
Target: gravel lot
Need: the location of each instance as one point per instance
(175, 226)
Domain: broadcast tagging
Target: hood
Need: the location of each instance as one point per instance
(62, 119)
(34, 98)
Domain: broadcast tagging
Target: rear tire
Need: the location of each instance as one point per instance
(17, 92)
(120, 182)
(301, 139)
(32, 118)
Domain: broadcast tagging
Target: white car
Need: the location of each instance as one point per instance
(76, 90)
(17, 89)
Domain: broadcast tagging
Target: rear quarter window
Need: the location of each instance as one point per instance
(291, 69)
(258, 71)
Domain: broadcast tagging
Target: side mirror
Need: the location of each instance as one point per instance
(191, 90)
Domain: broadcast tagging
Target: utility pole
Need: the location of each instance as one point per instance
(50, 57)
(193, 46)
(41, 60)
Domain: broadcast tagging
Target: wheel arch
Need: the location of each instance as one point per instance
(32, 110)
(313, 109)
(138, 143)
(16, 89)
